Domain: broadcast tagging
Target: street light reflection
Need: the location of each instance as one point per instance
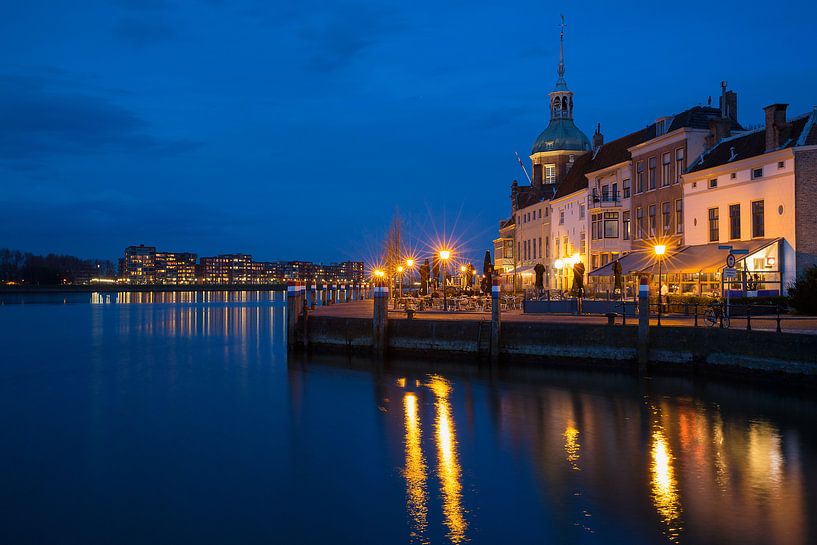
(448, 467)
(665, 487)
(415, 471)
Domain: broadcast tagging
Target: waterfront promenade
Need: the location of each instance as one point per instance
(363, 309)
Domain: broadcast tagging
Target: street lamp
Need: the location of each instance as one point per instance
(660, 250)
(400, 278)
(463, 268)
(559, 265)
(410, 265)
(444, 255)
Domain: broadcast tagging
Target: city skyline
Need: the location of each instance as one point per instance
(150, 128)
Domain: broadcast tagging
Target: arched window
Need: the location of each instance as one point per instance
(564, 103)
(557, 104)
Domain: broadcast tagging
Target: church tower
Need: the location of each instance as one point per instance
(555, 150)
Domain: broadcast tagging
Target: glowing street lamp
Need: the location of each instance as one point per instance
(444, 255)
(400, 278)
(410, 265)
(559, 264)
(660, 250)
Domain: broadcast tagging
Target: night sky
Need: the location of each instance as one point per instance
(292, 130)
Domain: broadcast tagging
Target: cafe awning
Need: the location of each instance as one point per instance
(686, 259)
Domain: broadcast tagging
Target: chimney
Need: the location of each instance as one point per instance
(775, 125)
(598, 138)
(719, 128)
(728, 103)
(514, 192)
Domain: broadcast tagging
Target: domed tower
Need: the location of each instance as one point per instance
(555, 150)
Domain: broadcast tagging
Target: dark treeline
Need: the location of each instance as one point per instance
(52, 269)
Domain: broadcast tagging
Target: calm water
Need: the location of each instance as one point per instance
(175, 419)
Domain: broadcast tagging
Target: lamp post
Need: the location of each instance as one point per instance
(660, 250)
(462, 276)
(400, 279)
(444, 255)
(410, 265)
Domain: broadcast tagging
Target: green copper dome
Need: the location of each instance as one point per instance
(561, 135)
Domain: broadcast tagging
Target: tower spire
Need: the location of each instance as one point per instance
(561, 70)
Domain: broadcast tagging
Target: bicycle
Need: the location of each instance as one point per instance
(715, 314)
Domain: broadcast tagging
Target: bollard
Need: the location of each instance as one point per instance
(323, 295)
(334, 294)
(292, 313)
(345, 293)
(495, 320)
(623, 312)
(749, 317)
(379, 319)
(314, 302)
(643, 324)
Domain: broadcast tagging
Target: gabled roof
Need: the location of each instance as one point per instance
(698, 117)
(802, 132)
(607, 155)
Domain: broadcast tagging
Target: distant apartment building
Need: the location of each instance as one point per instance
(229, 269)
(175, 268)
(139, 264)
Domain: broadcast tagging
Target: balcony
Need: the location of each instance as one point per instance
(607, 199)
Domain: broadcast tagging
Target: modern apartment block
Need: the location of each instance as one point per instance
(175, 268)
(139, 264)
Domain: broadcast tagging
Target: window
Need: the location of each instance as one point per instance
(781, 164)
(666, 217)
(733, 175)
(611, 225)
(533, 248)
(626, 185)
(561, 217)
(652, 220)
(625, 224)
(556, 247)
(547, 247)
(540, 247)
(758, 227)
(605, 193)
(713, 183)
(639, 222)
(596, 227)
(679, 216)
(594, 260)
(519, 249)
(714, 228)
(680, 165)
(581, 211)
(734, 221)
(550, 174)
(652, 173)
(757, 173)
(615, 191)
(666, 169)
(582, 242)
(639, 177)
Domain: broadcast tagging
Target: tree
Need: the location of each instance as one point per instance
(803, 292)
(488, 271)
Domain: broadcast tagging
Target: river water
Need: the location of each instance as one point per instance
(178, 418)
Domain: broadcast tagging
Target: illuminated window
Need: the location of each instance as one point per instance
(666, 169)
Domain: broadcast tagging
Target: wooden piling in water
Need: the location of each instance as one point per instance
(495, 320)
(643, 325)
(380, 319)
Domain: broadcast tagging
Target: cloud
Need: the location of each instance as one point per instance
(337, 37)
(40, 117)
(140, 31)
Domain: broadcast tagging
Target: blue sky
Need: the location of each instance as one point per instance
(292, 130)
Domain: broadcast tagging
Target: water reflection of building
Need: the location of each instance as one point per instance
(679, 471)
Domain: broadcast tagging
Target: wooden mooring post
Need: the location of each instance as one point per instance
(380, 318)
(495, 320)
(296, 292)
(643, 325)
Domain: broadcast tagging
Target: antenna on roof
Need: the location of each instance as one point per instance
(521, 164)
